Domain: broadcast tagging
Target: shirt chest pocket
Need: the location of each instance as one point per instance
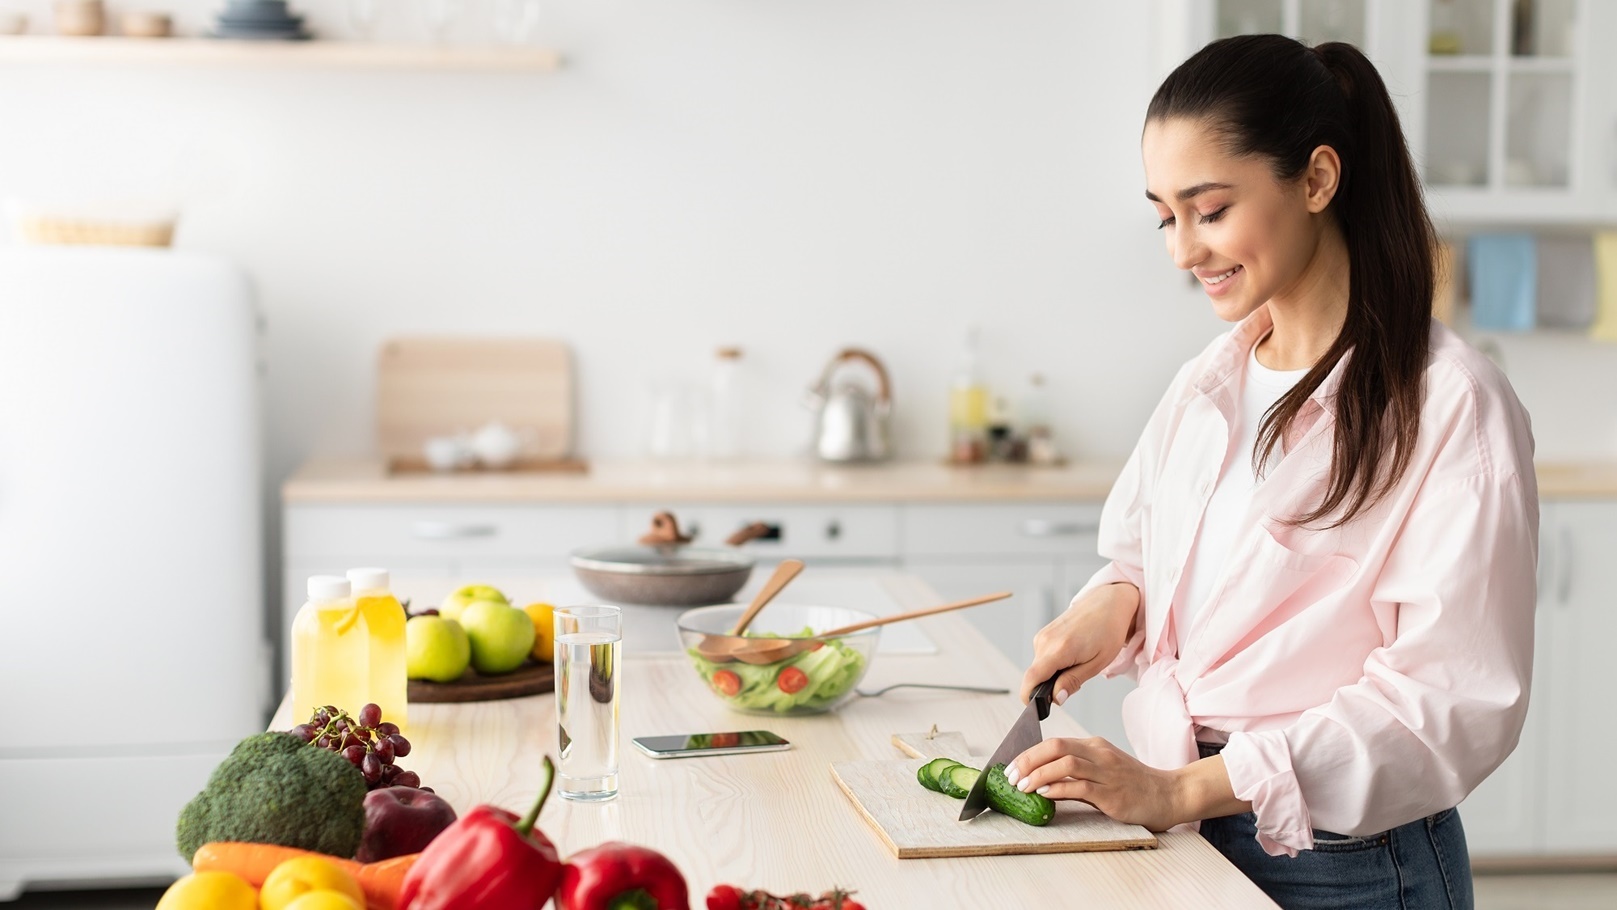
(1269, 585)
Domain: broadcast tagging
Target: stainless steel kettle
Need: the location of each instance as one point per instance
(851, 423)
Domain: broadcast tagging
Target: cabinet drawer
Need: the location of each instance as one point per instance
(1000, 530)
(452, 532)
(856, 532)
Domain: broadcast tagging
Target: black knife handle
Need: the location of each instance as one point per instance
(1042, 694)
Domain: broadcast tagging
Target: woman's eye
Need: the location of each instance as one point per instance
(1211, 217)
(1165, 222)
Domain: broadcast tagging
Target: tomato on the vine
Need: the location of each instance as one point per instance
(792, 680)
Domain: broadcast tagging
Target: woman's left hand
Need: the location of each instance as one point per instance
(1098, 773)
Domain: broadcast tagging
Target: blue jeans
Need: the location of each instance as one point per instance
(1423, 865)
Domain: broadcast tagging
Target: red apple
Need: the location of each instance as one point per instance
(400, 820)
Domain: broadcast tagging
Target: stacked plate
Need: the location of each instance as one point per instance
(263, 20)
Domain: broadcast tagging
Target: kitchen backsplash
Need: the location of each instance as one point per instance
(791, 178)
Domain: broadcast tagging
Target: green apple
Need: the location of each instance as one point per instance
(501, 636)
(457, 601)
(435, 648)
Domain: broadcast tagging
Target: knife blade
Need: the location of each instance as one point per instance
(1024, 735)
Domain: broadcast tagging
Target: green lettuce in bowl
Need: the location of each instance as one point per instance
(810, 682)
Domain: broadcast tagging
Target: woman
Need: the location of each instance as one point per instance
(1323, 547)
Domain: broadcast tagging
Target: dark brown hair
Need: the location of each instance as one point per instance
(1272, 97)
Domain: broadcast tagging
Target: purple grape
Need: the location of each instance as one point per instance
(389, 772)
(387, 729)
(354, 754)
(371, 768)
(384, 751)
(323, 742)
(401, 746)
(303, 732)
(407, 779)
(426, 790)
(370, 715)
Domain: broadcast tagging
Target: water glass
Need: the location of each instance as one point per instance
(589, 649)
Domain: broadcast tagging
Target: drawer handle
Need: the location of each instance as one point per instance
(449, 530)
(1044, 527)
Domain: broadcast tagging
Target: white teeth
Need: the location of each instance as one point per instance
(1221, 278)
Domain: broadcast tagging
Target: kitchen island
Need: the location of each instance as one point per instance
(778, 820)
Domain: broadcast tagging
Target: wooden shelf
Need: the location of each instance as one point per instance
(292, 54)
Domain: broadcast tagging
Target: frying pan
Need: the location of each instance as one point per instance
(664, 570)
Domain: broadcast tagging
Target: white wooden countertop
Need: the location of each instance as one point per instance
(360, 479)
(778, 821)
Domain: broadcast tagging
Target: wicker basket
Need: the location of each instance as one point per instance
(51, 229)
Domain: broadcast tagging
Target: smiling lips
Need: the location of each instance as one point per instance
(1214, 284)
(1220, 278)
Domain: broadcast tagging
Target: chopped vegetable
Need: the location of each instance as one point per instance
(815, 678)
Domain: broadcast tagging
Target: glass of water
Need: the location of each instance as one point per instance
(589, 650)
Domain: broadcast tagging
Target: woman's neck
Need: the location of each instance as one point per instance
(1309, 316)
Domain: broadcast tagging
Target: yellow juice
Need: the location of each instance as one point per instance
(386, 682)
(348, 649)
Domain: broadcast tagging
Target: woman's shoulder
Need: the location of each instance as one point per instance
(1469, 400)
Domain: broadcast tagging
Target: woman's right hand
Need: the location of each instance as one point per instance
(1083, 640)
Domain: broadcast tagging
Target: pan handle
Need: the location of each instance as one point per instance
(751, 532)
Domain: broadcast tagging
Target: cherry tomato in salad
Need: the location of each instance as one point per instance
(791, 680)
(727, 682)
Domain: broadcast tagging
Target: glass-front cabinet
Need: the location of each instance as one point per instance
(1510, 106)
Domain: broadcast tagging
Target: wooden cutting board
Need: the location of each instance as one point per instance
(439, 386)
(917, 823)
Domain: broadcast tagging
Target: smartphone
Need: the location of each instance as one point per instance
(685, 745)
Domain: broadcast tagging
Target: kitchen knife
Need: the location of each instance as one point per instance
(1024, 735)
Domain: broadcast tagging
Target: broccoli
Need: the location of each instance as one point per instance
(275, 789)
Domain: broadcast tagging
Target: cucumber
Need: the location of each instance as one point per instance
(957, 780)
(929, 773)
(1030, 808)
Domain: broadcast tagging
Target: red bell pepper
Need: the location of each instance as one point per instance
(618, 876)
(487, 858)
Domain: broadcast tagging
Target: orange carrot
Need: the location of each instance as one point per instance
(381, 880)
(384, 879)
(254, 862)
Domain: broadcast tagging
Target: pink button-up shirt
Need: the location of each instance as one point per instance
(1367, 675)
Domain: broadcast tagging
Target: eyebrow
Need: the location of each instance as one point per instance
(1191, 192)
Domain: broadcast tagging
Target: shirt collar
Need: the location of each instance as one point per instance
(1228, 359)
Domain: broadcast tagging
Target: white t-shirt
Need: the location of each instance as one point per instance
(1260, 389)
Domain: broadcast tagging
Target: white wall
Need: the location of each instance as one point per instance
(788, 175)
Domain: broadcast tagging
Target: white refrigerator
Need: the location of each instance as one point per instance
(133, 648)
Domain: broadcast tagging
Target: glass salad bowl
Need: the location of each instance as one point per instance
(778, 667)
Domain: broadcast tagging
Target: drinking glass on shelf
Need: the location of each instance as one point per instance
(440, 16)
(515, 20)
(362, 16)
(589, 653)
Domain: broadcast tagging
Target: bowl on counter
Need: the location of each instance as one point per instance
(816, 679)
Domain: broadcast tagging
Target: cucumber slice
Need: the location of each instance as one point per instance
(957, 780)
(930, 773)
(1030, 808)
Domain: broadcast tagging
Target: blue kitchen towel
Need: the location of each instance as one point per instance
(1504, 281)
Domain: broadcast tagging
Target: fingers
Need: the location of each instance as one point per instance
(1053, 760)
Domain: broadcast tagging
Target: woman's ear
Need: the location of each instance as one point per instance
(1321, 178)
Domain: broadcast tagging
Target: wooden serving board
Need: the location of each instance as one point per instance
(440, 386)
(917, 823)
(532, 678)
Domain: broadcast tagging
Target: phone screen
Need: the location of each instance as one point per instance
(685, 744)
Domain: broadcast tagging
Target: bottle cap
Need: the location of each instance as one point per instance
(369, 579)
(328, 587)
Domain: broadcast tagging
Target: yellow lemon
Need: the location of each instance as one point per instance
(289, 881)
(544, 631)
(325, 900)
(209, 891)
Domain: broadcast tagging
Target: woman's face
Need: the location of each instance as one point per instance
(1245, 235)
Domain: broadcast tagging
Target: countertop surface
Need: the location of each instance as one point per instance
(778, 821)
(783, 480)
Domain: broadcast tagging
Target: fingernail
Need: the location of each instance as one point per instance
(1044, 789)
(1025, 785)
(1061, 697)
(1010, 774)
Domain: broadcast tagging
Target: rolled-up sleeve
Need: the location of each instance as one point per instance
(1441, 705)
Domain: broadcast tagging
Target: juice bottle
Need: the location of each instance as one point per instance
(968, 408)
(329, 667)
(384, 619)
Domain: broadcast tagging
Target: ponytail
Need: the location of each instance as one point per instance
(1272, 97)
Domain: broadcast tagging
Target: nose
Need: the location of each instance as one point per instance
(1185, 247)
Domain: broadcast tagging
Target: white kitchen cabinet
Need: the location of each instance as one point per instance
(1579, 724)
(1507, 107)
(832, 533)
(1009, 624)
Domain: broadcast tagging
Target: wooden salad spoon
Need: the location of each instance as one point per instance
(718, 648)
(770, 650)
